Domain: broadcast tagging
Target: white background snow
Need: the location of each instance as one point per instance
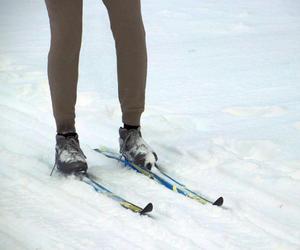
(223, 114)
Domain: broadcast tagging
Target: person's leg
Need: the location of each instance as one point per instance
(129, 34)
(66, 27)
(128, 30)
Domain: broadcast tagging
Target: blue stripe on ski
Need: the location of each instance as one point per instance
(128, 205)
(165, 179)
(150, 174)
(100, 189)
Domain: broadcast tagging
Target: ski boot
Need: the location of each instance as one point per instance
(135, 149)
(69, 157)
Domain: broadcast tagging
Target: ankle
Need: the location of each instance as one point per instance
(128, 127)
(68, 134)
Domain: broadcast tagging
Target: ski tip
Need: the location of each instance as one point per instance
(219, 202)
(147, 209)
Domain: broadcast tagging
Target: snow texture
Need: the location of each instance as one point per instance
(222, 113)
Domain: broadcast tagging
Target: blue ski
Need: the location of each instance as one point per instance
(159, 176)
(126, 204)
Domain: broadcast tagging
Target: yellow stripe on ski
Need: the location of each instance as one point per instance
(131, 207)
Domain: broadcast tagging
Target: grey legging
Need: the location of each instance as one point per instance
(66, 31)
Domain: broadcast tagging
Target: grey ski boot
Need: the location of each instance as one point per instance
(135, 149)
(69, 157)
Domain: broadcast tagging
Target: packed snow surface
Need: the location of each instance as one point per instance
(222, 113)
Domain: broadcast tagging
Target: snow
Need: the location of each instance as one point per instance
(222, 113)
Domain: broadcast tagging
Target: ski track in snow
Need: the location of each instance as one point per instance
(222, 113)
(255, 111)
